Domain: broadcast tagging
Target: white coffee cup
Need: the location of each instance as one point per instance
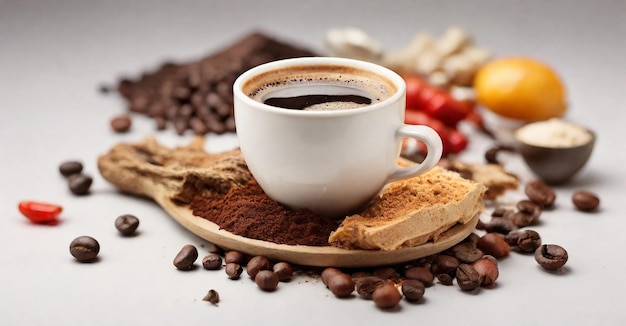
(331, 162)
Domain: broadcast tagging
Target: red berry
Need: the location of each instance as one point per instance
(38, 212)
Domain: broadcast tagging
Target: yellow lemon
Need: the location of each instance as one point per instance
(520, 88)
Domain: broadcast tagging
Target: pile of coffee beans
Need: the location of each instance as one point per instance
(198, 95)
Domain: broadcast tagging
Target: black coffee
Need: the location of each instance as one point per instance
(308, 101)
(320, 88)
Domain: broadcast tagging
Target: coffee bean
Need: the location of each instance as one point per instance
(386, 296)
(121, 123)
(365, 286)
(493, 244)
(466, 252)
(256, 264)
(341, 285)
(266, 280)
(529, 207)
(212, 262)
(413, 290)
(445, 279)
(500, 211)
(186, 257)
(540, 193)
(444, 264)
(487, 268)
(420, 273)
(84, 249)
(585, 201)
(233, 270)
(467, 277)
(233, 256)
(284, 271)
(328, 273)
(386, 273)
(551, 256)
(497, 225)
(70, 167)
(126, 224)
(521, 219)
(525, 240)
(79, 184)
(212, 296)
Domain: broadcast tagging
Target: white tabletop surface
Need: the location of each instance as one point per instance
(55, 54)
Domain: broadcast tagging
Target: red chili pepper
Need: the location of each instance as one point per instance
(39, 212)
(435, 102)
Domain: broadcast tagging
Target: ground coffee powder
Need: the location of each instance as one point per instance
(249, 212)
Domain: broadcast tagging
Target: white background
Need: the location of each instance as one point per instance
(55, 54)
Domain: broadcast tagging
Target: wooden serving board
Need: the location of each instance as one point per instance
(171, 177)
(322, 256)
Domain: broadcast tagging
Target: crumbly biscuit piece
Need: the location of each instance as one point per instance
(412, 212)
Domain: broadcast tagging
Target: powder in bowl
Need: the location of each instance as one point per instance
(554, 133)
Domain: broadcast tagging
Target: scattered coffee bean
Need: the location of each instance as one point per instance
(551, 256)
(121, 123)
(186, 257)
(266, 280)
(413, 290)
(256, 264)
(386, 273)
(522, 220)
(540, 193)
(444, 264)
(585, 201)
(525, 240)
(500, 211)
(85, 249)
(126, 224)
(328, 273)
(212, 296)
(233, 270)
(466, 252)
(467, 277)
(472, 238)
(420, 273)
(487, 268)
(233, 256)
(359, 274)
(386, 296)
(493, 244)
(284, 271)
(497, 225)
(70, 167)
(79, 184)
(366, 285)
(212, 261)
(341, 285)
(445, 279)
(529, 207)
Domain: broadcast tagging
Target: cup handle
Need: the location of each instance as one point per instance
(434, 146)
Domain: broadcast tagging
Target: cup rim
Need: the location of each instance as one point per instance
(387, 73)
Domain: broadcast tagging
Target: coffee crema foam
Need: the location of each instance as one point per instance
(315, 81)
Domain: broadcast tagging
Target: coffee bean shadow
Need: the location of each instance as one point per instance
(132, 235)
(473, 292)
(193, 267)
(395, 309)
(565, 270)
(419, 302)
(94, 261)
